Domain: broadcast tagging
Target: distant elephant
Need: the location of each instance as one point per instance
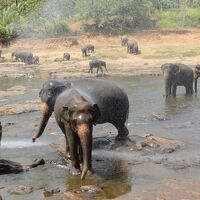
(84, 51)
(66, 56)
(177, 75)
(111, 100)
(132, 47)
(35, 60)
(196, 76)
(90, 48)
(25, 57)
(97, 64)
(124, 40)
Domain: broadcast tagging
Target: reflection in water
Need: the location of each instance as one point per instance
(111, 175)
(178, 105)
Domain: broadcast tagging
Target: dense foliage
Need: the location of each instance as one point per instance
(48, 18)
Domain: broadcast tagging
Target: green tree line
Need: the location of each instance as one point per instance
(47, 18)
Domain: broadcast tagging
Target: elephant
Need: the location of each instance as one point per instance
(177, 75)
(97, 64)
(84, 51)
(196, 76)
(0, 132)
(124, 40)
(66, 56)
(25, 57)
(35, 60)
(132, 47)
(90, 48)
(76, 113)
(112, 101)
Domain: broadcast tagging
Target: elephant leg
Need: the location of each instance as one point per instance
(174, 90)
(73, 142)
(97, 69)
(122, 132)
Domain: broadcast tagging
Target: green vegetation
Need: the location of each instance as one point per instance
(49, 18)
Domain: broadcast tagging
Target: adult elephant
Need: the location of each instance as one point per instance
(132, 47)
(112, 103)
(196, 76)
(177, 75)
(25, 57)
(111, 99)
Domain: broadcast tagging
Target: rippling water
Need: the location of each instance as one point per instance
(146, 97)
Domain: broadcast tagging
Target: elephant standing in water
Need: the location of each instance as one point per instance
(177, 75)
(97, 64)
(196, 76)
(112, 102)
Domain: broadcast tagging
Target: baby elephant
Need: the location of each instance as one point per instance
(66, 56)
(97, 64)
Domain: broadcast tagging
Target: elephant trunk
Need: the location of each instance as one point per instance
(46, 114)
(0, 132)
(85, 135)
(195, 85)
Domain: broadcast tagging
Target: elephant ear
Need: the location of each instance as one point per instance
(65, 114)
(176, 68)
(96, 113)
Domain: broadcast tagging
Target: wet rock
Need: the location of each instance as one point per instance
(13, 109)
(84, 192)
(37, 162)
(7, 167)
(21, 189)
(50, 191)
(181, 125)
(156, 117)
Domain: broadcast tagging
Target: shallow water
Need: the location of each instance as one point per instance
(116, 174)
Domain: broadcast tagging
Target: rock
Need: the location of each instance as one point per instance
(7, 167)
(51, 191)
(37, 162)
(156, 116)
(21, 189)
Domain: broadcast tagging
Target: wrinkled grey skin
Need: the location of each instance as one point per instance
(76, 113)
(177, 75)
(124, 41)
(196, 76)
(66, 56)
(90, 48)
(132, 48)
(84, 51)
(97, 64)
(112, 101)
(36, 60)
(25, 57)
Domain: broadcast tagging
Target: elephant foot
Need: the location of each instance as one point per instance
(75, 172)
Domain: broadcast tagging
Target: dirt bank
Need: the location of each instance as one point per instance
(157, 47)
